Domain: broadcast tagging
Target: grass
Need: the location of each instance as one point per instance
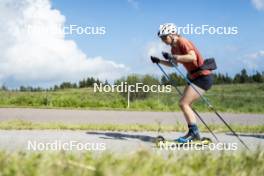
(247, 98)
(141, 163)
(27, 125)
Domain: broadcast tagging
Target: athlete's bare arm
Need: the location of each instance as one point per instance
(190, 57)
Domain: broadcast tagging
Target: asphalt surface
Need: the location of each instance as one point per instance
(101, 141)
(120, 142)
(120, 117)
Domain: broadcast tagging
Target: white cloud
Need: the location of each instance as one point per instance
(256, 55)
(258, 4)
(254, 61)
(44, 57)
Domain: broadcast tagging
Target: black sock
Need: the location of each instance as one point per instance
(193, 129)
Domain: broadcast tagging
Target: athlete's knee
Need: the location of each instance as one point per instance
(183, 104)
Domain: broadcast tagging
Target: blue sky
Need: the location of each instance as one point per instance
(42, 58)
(131, 25)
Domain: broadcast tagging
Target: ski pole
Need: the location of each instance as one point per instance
(181, 94)
(208, 103)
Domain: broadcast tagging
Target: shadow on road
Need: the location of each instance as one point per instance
(122, 136)
(260, 136)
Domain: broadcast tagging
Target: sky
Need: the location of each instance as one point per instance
(130, 37)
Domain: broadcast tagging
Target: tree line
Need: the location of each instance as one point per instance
(219, 78)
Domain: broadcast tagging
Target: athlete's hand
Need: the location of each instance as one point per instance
(154, 60)
(167, 56)
(170, 58)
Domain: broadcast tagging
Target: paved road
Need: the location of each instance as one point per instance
(119, 117)
(111, 141)
(99, 141)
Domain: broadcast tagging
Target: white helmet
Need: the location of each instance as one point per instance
(166, 29)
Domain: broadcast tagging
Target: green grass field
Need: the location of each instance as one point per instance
(248, 98)
(141, 163)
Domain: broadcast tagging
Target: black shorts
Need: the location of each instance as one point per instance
(204, 82)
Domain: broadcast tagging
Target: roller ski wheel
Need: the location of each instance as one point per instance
(159, 139)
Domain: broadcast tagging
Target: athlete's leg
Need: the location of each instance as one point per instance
(189, 96)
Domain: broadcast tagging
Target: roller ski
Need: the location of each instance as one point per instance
(160, 142)
(191, 138)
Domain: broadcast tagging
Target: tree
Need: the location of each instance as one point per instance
(66, 85)
(150, 80)
(22, 88)
(257, 77)
(4, 88)
(244, 76)
(82, 83)
(106, 82)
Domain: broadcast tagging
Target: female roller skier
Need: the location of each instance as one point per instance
(184, 52)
